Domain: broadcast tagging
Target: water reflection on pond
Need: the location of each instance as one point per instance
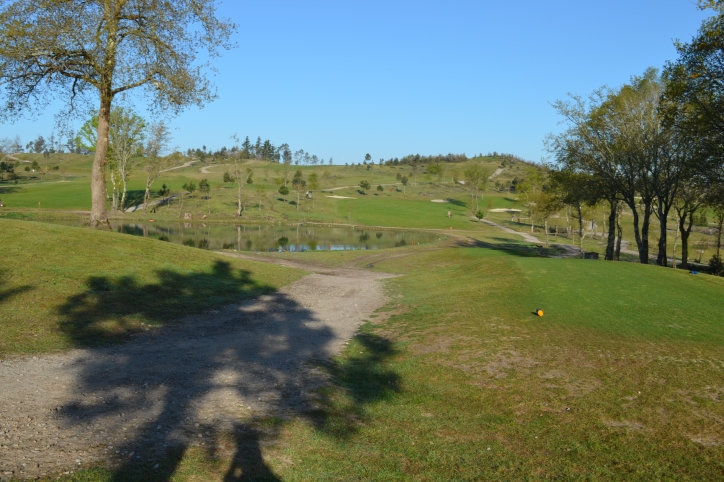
(274, 238)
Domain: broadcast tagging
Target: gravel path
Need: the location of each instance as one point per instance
(185, 164)
(177, 386)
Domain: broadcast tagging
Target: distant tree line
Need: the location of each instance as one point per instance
(418, 159)
(41, 145)
(261, 150)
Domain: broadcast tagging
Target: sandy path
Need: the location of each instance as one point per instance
(497, 171)
(205, 169)
(185, 164)
(179, 385)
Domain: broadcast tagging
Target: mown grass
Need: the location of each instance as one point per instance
(620, 380)
(63, 287)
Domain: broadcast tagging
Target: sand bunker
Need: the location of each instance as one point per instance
(440, 200)
(504, 210)
(341, 197)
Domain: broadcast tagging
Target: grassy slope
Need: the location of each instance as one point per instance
(62, 287)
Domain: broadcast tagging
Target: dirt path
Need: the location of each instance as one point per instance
(497, 171)
(205, 169)
(185, 164)
(180, 385)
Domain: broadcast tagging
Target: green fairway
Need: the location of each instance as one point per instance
(63, 287)
(620, 380)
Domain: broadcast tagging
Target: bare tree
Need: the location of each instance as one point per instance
(93, 50)
(126, 135)
(476, 179)
(159, 139)
(243, 173)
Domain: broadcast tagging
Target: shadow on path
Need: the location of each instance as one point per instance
(144, 404)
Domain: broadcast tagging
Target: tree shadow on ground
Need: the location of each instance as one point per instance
(522, 248)
(9, 189)
(7, 293)
(112, 308)
(215, 377)
(456, 202)
(134, 197)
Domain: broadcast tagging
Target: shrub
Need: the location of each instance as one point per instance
(716, 265)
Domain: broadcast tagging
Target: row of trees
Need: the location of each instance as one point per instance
(265, 151)
(653, 145)
(40, 145)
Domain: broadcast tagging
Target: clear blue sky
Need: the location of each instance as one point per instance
(398, 77)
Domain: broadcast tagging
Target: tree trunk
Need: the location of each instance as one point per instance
(619, 233)
(663, 215)
(147, 194)
(114, 202)
(238, 196)
(99, 213)
(641, 232)
(611, 232)
(580, 228)
(720, 225)
(685, 231)
(673, 252)
(123, 197)
(545, 226)
(644, 250)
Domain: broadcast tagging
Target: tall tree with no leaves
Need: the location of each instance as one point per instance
(126, 135)
(243, 172)
(159, 139)
(476, 179)
(90, 51)
(298, 183)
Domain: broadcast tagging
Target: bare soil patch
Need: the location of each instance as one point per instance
(181, 385)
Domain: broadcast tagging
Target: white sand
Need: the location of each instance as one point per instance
(440, 201)
(341, 197)
(504, 210)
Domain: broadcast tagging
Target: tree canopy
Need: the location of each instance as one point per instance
(90, 51)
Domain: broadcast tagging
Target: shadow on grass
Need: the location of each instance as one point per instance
(215, 382)
(456, 202)
(359, 380)
(516, 248)
(9, 189)
(7, 293)
(110, 308)
(134, 197)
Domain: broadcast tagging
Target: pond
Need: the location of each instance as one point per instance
(270, 238)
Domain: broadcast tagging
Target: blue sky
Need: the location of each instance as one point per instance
(399, 77)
